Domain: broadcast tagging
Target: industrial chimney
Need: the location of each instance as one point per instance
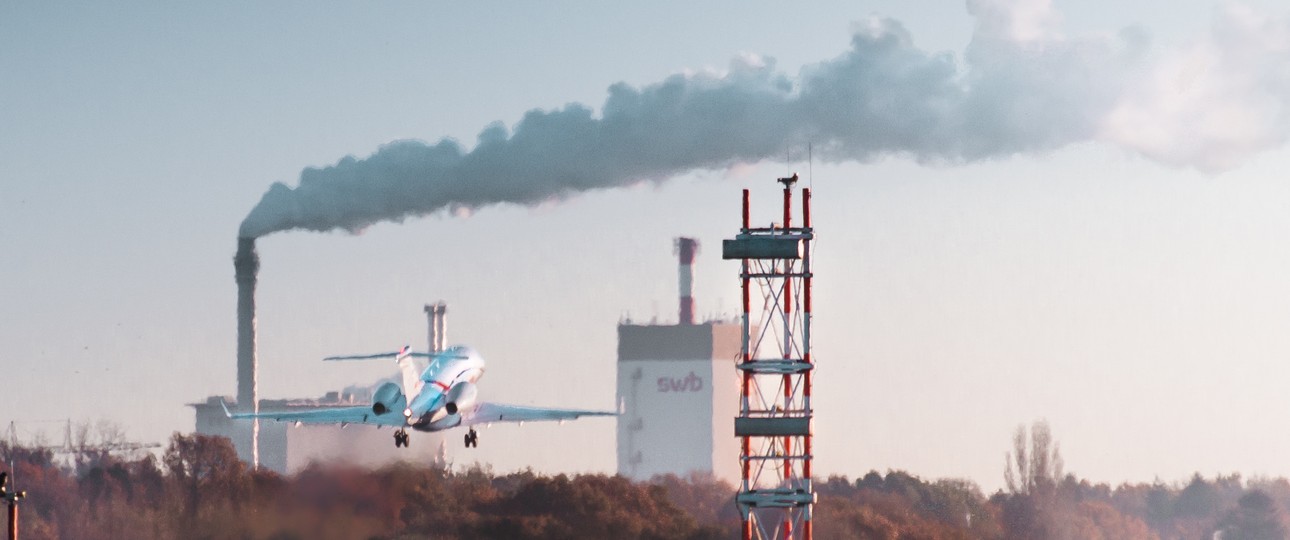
(246, 265)
(437, 317)
(686, 248)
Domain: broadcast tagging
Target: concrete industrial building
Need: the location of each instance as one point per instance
(679, 392)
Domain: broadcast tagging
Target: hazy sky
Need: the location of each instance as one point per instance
(1129, 286)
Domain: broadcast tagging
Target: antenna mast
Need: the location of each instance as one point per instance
(774, 425)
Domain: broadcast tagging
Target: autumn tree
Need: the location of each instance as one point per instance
(96, 443)
(589, 506)
(1256, 517)
(703, 496)
(1035, 464)
(204, 469)
(900, 506)
(1031, 472)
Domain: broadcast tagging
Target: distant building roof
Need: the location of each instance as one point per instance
(707, 341)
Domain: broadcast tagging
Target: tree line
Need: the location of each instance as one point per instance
(197, 488)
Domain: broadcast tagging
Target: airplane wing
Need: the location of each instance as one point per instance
(326, 415)
(487, 413)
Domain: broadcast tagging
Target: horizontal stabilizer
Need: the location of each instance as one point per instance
(401, 353)
(377, 356)
(394, 354)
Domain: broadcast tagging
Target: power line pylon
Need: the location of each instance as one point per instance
(774, 425)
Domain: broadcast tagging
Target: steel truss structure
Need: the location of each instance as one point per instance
(774, 425)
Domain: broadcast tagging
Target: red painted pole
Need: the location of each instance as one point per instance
(806, 208)
(788, 209)
(807, 528)
(745, 444)
(788, 352)
(746, 221)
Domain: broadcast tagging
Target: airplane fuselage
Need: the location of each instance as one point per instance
(429, 410)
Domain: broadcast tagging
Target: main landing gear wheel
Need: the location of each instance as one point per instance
(401, 438)
(472, 438)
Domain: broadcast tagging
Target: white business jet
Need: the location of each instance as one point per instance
(443, 396)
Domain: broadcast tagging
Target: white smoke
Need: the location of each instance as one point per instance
(1021, 87)
(1214, 103)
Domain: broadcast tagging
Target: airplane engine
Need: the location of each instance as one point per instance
(461, 396)
(389, 397)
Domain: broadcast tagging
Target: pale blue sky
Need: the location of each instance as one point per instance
(1140, 308)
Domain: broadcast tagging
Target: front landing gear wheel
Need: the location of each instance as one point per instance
(401, 438)
(472, 439)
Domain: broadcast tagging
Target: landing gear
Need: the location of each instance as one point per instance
(401, 438)
(472, 438)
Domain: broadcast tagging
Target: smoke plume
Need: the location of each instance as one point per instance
(1019, 88)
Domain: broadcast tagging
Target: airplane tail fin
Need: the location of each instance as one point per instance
(411, 379)
(403, 357)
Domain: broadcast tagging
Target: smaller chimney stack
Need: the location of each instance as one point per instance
(686, 248)
(436, 316)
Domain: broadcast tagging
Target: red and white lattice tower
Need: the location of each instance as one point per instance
(774, 423)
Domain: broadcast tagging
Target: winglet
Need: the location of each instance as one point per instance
(225, 406)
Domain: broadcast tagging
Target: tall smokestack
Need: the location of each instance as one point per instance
(686, 248)
(246, 265)
(436, 316)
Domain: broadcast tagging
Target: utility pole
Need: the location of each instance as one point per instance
(11, 498)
